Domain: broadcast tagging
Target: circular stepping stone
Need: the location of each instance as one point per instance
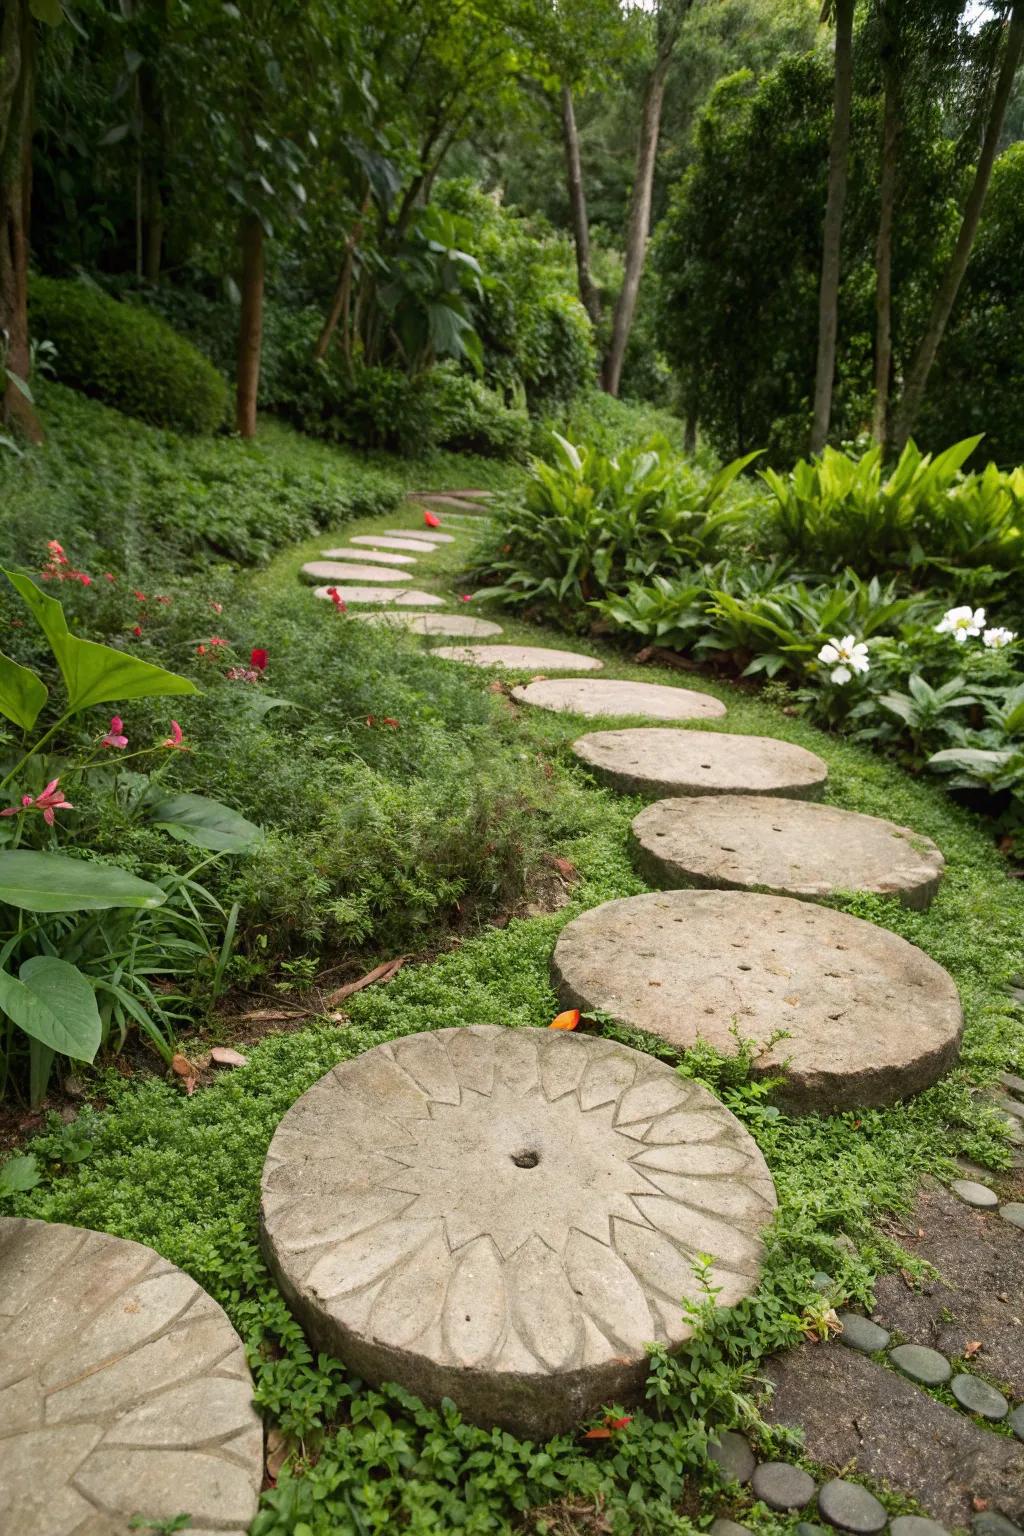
(435, 623)
(652, 762)
(382, 595)
(806, 1528)
(978, 1397)
(922, 1364)
(861, 1333)
(127, 1390)
(381, 556)
(1013, 1212)
(431, 535)
(1016, 1422)
(613, 696)
(344, 570)
(722, 1527)
(518, 658)
(851, 1507)
(978, 1195)
(868, 1018)
(410, 544)
(506, 1217)
(443, 498)
(989, 1523)
(743, 842)
(916, 1525)
(733, 1457)
(782, 1486)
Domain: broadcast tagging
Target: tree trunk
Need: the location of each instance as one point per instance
(891, 124)
(639, 222)
(343, 289)
(15, 201)
(949, 286)
(828, 291)
(250, 327)
(589, 296)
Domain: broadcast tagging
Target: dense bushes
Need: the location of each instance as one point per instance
(127, 357)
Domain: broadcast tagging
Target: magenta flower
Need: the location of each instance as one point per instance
(51, 800)
(175, 740)
(115, 737)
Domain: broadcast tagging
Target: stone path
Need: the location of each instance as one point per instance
(381, 595)
(410, 543)
(792, 847)
(377, 556)
(654, 762)
(124, 1391)
(507, 1217)
(519, 658)
(340, 570)
(429, 535)
(435, 623)
(611, 696)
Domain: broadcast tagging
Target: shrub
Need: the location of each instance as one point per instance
(467, 417)
(127, 358)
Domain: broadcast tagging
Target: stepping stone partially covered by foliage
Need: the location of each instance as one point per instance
(613, 696)
(782, 1486)
(518, 658)
(978, 1397)
(733, 1457)
(794, 847)
(435, 623)
(380, 556)
(657, 762)
(409, 543)
(343, 570)
(127, 1390)
(861, 1333)
(859, 1016)
(922, 1364)
(972, 1193)
(381, 596)
(428, 535)
(507, 1217)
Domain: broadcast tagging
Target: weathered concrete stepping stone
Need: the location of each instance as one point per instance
(655, 762)
(434, 623)
(442, 499)
(972, 1193)
(614, 696)
(506, 1217)
(382, 596)
(1013, 1212)
(782, 1486)
(380, 556)
(127, 1390)
(744, 842)
(432, 535)
(861, 1333)
(1013, 1082)
(461, 495)
(978, 1397)
(851, 1507)
(518, 658)
(922, 1364)
(916, 1525)
(408, 543)
(868, 1017)
(345, 570)
(733, 1457)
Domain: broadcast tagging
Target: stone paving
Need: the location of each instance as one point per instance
(653, 762)
(370, 556)
(435, 623)
(342, 570)
(608, 696)
(430, 535)
(380, 595)
(519, 658)
(409, 543)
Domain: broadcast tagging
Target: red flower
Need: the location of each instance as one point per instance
(465, 597)
(390, 720)
(258, 658)
(137, 631)
(432, 520)
(216, 640)
(108, 577)
(140, 595)
(336, 599)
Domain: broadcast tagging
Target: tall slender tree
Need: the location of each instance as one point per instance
(839, 151)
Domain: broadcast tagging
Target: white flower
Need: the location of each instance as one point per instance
(997, 638)
(845, 656)
(961, 623)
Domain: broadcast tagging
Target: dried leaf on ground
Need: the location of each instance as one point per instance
(224, 1056)
(186, 1070)
(379, 973)
(567, 1020)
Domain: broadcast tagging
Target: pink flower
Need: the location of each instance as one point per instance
(108, 576)
(258, 659)
(200, 650)
(51, 800)
(216, 640)
(56, 550)
(175, 740)
(115, 736)
(217, 607)
(165, 600)
(83, 578)
(465, 597)
(336, 599)
(140, 595)
(242, 675)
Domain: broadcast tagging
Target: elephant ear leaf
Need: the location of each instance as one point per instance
(54, 1003)
(22, 694)
(93, 673)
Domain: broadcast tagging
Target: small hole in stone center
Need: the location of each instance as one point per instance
(526, 1159)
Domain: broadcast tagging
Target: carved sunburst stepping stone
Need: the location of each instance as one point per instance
(506, 1217)
(613, 696)
(124, 1391)
(654, 761)
(344, 570)
(518, 658)
(431, 535)
(410, 544)
(380, 556)
(868, 1018)
(382, 596)
(792, 847)
(434, 623)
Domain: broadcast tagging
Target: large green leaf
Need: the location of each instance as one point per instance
(51, 882)
(22, 694)
(204, 823)
(93, 673)
(53, 1002)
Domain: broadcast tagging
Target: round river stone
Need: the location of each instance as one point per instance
(382, 595)
(518, 658)
(1013, 1212)
(124, 1390)
(344, 570)
(851, 1507)
(978, 1195)
(1016, 1422)
(978, 1397)
(916, 1525)
(381, 556)
(435, 623)
(922, 1364)
(654, 762)
(794, 847)
(410, 543)
(861, 1333)
(433, 535)
(613, 696)
(782, 1486)
(868, 1018)
(506, 1217)
(733, 1457)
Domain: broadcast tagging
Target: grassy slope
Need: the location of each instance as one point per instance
(183, 1174)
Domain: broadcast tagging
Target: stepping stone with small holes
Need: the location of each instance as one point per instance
(408, 543)
(127, 1390)
(923, 1365)
(656, 762)
(430, 535)
(343, 570)
(434, 623)
(614, 696)
(508, 1217)
(793, 847)
(867, 1017)
(851, 1507)
(518, 658)
(382, 596)
(377, 556)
